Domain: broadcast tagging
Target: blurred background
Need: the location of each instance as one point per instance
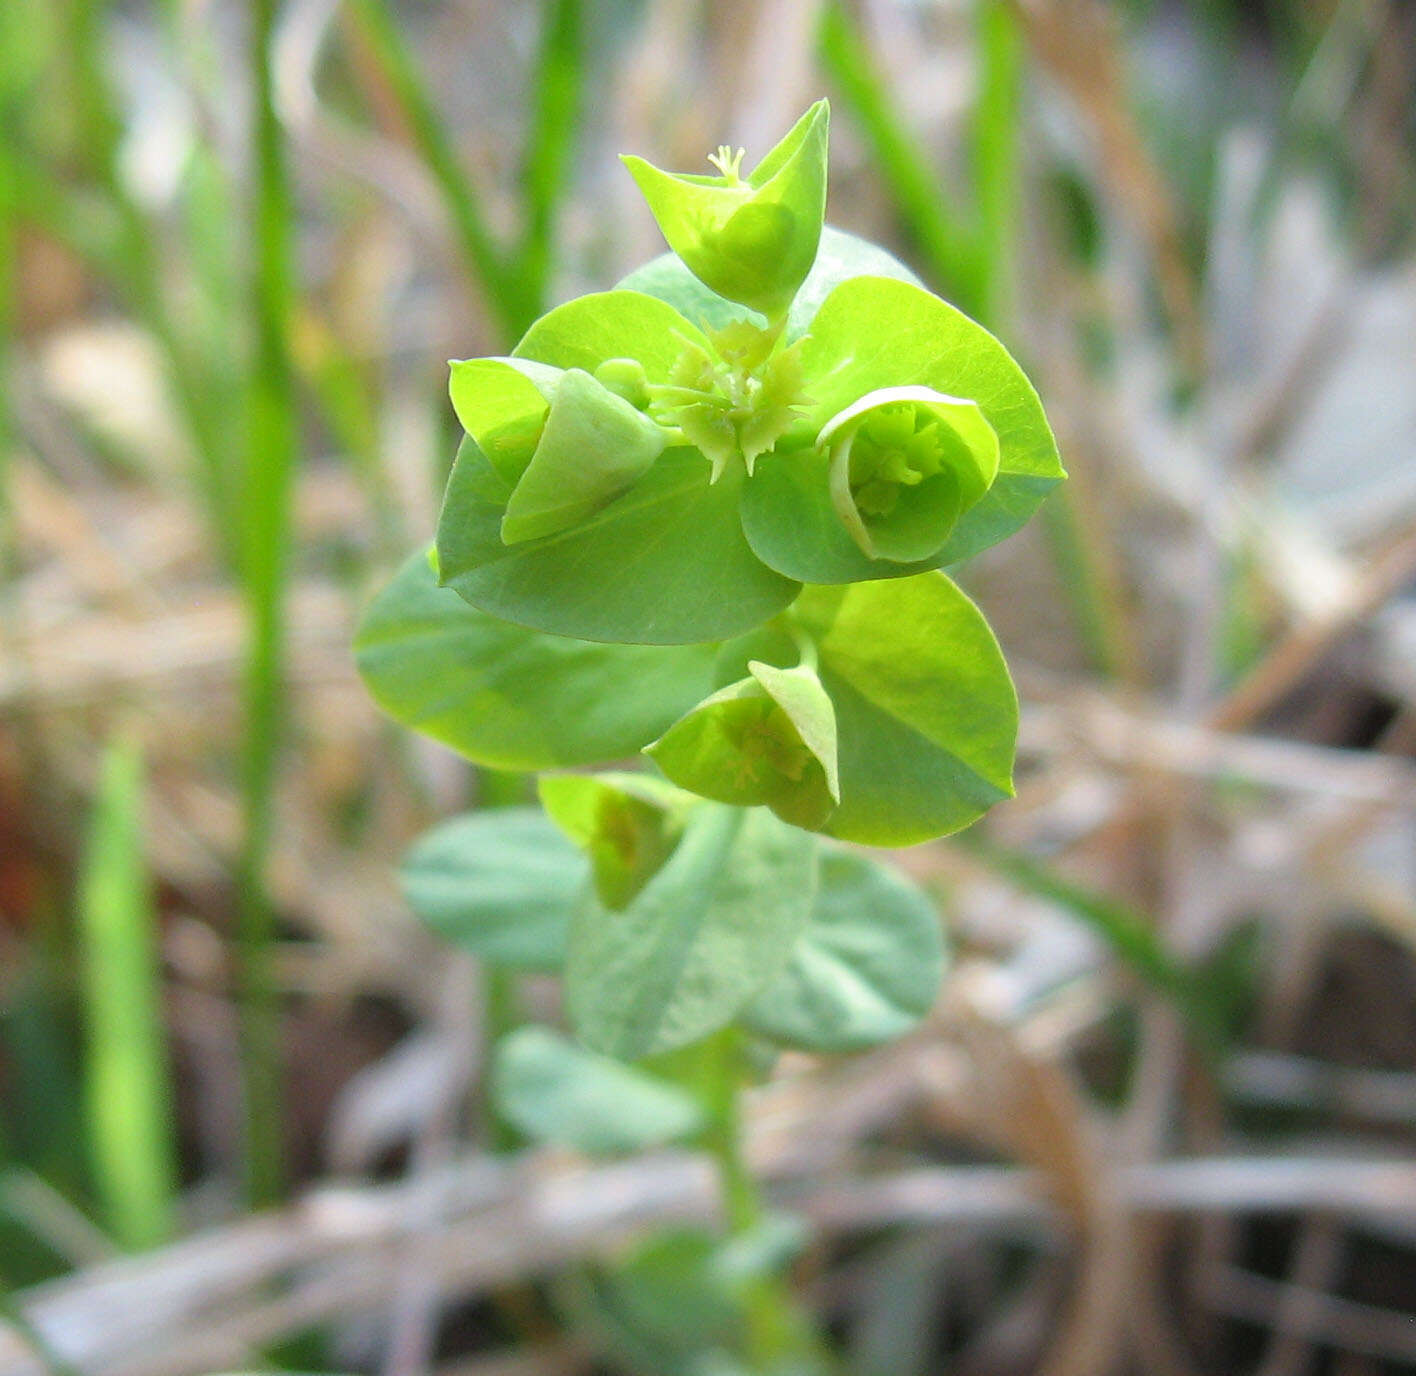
(1164, 1117)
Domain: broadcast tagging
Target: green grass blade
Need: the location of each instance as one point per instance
(129, 1095)
(996, 152)
(273, 424)
(136, 269)
(501, 283)
(550, 147)
(945, 241)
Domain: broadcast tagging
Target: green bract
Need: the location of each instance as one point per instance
(750, 239)
(905, 464)
(768, 739)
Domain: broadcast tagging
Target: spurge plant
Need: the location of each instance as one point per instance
(705, 518)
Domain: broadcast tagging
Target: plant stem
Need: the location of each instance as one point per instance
(551, 144)
(723, 1081)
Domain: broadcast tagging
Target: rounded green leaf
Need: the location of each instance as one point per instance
(593, 447)
(665, 564)
(501, 884)
(554, 1091)
(512, 698)
(752, 239)
(926, 714)
(874, 332)
(866, 969)
(621, 324)
(710, 928)
(767, 740)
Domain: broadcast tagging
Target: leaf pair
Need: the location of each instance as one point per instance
(858, 969)
(905, 730)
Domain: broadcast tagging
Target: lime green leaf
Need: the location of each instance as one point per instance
(500, 883)
(874, 332)
(769, 739)
(628, 824)
(866, 969)
(710, 929)
(555, 1091)
(593, 447)
(665, 564)
(622, 324)
(840, 256)
(502, 404)
(926, 715)
(750, 239)
(511, 698)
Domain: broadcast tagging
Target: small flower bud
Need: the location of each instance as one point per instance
(625, 377)
(752, 240)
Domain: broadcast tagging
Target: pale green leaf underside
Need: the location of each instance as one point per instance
(866, 969)
(666, 564)
(926, 715)
(512, 698)
(554, 1091)
(838, 257)
(500, 883)
(711, 928)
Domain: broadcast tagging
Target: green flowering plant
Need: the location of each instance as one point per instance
(706, 518)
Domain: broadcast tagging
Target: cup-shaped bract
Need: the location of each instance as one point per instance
(905, 464)
(628, 826)
(750, 239)
(767, 740)
(566, 443)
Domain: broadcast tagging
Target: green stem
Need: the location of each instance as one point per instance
(551, 145)
(136, 263)
(723, 1082)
